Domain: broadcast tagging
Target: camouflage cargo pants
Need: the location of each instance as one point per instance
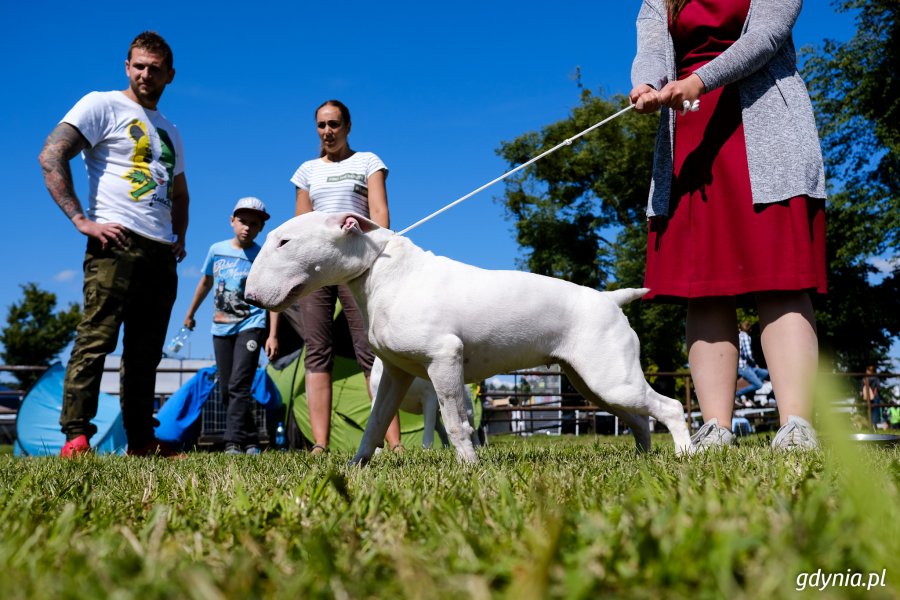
(134, 286)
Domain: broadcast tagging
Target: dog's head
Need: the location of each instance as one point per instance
(309, 252)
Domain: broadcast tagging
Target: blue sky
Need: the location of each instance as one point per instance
(433, 89)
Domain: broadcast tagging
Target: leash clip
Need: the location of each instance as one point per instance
(688, 106)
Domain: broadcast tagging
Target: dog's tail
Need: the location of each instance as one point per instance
(625, 295)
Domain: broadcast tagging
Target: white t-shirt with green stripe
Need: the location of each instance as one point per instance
(339, 186)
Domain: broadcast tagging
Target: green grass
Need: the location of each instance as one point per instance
(535, 518)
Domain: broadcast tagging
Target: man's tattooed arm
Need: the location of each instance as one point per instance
(61, 147)
(63, 144)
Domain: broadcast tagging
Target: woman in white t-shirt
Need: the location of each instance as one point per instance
(340, 180)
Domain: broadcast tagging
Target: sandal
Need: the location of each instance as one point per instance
(318, 449)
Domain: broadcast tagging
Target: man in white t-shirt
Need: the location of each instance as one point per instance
(135, 223)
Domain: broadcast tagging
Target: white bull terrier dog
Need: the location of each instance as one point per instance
(421, 399)
(431, 317)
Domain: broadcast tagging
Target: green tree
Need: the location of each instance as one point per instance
(856, 93)
(568, 205)
(580, 213)
(34, 334)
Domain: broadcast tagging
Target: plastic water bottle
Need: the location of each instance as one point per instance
(175, 346)
(279, 436)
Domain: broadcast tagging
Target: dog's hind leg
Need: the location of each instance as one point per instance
(670, 413)
(639, 424)
(391, 389)
(446, 373)
(628, 391)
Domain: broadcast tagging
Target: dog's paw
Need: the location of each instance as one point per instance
(466, 456)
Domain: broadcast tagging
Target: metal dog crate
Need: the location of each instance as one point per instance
(212, 420)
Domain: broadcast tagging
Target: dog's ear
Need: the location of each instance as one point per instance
(350, 223)
(357, 224)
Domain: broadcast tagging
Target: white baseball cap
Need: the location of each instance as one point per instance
(254, 204)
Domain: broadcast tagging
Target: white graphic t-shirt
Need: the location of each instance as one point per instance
(339, 186)
(229, 267)
(134, 157)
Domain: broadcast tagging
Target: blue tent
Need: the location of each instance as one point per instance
(181, 412)
(37, 424)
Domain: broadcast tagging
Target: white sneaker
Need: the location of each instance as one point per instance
(796, 434)
(711, 435)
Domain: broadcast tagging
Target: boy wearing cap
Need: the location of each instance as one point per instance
(239, 329)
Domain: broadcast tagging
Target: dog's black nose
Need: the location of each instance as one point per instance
(251, 300)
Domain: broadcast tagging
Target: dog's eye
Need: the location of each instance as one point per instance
(282, 243)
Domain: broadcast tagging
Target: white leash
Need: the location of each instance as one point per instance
(523, 165)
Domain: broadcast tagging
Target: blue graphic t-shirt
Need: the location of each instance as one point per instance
(229, 268)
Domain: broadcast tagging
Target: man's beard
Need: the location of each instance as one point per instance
(146, 97)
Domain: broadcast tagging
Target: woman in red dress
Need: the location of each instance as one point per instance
(737, 197)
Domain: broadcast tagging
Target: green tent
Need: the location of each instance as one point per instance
(350, 405)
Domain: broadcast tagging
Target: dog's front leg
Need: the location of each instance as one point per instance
(393, 386)
(446, 373)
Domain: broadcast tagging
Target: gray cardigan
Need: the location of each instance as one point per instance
(783, 151)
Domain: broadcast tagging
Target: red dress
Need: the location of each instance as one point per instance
(716, 242)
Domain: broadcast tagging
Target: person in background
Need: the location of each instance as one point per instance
(340, 179)
(871, 393)
(893, 415)
(239, 330)
(135, 223)
(747, 367)
(748, 159)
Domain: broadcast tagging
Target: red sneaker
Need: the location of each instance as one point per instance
(75, 446)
